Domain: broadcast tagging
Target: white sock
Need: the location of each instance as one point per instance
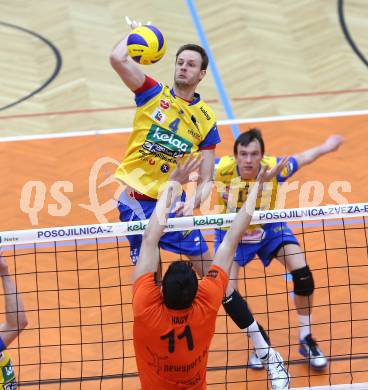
(260, 344)
(304, 326)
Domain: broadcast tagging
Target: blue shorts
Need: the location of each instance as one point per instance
(189, 242)
(274, 236)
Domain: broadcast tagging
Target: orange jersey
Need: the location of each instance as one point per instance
(171, 346)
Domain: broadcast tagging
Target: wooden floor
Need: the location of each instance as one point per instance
(273, 58)
(283, 58)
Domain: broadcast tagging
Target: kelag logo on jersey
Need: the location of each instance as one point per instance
(8, 375)
(160, 140)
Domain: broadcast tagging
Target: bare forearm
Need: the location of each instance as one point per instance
(331, 144)
(15, 314)
(149, 254)
(124, 66)
(15, 317)
(224, 255)
(202, 193)
(158, 220)
(205, 179)
(244, 216)
(233, 236)
(149, 257)
(310, 155)
(119, 53)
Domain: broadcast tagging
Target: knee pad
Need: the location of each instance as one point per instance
(303, 281)
(236, 307)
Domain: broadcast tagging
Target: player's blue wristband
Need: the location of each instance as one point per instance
(2, 345)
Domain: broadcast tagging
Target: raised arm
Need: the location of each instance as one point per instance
(205, 177)
(125, 67)
(204, 184)
(331, 144)
(15, 316)
(225, 253)
(149, 256)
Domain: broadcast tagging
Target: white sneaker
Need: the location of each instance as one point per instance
(254, 361)
(277, 373)
(310, 350)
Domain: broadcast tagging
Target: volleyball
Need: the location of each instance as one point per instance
(146, 44)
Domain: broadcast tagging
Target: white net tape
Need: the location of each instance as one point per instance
(106, 230)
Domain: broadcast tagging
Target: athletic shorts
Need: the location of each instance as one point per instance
(189, 242)
(265, 243)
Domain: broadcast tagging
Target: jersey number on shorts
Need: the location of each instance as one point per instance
(171, 338)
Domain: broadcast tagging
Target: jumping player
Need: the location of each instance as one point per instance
(169, 123)
(174, 326)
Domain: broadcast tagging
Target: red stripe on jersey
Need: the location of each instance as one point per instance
(147, 84)
(209, 147)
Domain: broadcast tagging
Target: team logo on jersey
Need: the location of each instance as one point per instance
(10, 386)
(205, 113)
(254, 236)
(8, 376)
(160, 140)
(185, 233)
(158, 116)
(288, 169)
(165, 168)
(134, 254)
(164, 104)
(151, 161)
(194, 134)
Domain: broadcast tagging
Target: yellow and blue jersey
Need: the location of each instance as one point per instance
(165, 128)
(7, 376)
(262, 240)
(233, 191)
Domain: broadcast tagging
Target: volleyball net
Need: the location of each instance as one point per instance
(76, 286)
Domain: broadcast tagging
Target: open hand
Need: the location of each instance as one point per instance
(3, 265)
(182, 172)
(133, 23)
(269, 174)
(333, 142)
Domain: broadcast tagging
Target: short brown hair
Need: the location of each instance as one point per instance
(198, 49)
(247, 137)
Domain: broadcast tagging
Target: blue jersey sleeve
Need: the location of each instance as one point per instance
(212, 138)
(289, 170)
(142, 98)
(2, 345)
